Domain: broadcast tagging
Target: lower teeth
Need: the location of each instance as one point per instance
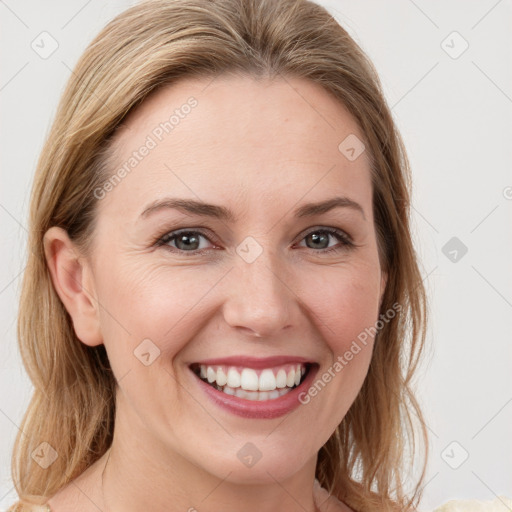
(258, 396)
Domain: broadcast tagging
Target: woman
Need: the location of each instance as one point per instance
(222, 307)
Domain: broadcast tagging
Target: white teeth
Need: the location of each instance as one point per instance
(233, 378)
(290, 380)
(267, 381)
(241, 393)
(256, 396)
(297, 375)
(249, 380)
(210, 375)
(281, 379)
(221, 377)
(268, 385)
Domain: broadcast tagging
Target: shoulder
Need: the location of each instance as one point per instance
(21, 506)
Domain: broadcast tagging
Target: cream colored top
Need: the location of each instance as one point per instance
(31, 508)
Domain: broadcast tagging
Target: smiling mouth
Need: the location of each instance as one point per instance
(253, 384)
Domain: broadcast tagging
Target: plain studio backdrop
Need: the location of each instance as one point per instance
(445, 67)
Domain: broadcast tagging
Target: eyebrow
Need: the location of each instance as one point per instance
(202, 209)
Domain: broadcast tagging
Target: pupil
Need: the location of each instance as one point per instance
(189, 240)
(319, 238)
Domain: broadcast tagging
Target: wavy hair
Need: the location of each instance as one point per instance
(153, 44)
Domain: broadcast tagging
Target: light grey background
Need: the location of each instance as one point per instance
(454, 112)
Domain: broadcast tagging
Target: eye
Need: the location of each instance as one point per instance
(319, 239)
(184, 240)
(189, 241)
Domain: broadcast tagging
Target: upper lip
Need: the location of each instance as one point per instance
(258, 363)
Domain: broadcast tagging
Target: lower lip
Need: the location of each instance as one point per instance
(267, 409)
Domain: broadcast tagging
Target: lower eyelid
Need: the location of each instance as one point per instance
(164, 240)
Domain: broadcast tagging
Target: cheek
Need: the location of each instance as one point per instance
(346, 305)
(345, 302)
(144, 302)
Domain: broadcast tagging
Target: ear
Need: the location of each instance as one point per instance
(72, 280)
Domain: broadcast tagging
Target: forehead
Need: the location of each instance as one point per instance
(237, 139)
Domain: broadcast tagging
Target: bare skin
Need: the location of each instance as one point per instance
(83, 495)
(261, 150)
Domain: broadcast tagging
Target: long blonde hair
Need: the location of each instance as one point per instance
(158, 42)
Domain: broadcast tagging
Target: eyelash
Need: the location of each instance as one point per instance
(346, 240)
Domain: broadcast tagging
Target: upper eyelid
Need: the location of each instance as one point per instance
(171, 235)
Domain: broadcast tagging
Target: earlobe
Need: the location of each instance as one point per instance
(73, 283)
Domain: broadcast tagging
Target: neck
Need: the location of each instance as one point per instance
(141, 473)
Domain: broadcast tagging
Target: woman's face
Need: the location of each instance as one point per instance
(239, 271)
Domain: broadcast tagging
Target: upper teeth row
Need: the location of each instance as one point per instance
(248, 379)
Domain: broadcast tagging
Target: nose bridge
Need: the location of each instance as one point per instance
(261, 300)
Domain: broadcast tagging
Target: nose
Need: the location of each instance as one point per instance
(260, 300)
